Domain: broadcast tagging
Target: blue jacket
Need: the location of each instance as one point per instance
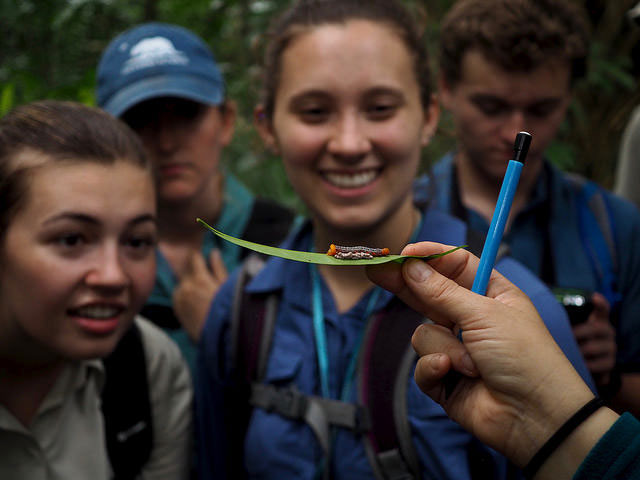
(277, 448)
(551, 218)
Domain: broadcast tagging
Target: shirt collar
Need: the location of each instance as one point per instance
(74, 376)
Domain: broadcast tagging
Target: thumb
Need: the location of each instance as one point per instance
(601, 304)
(438, 297)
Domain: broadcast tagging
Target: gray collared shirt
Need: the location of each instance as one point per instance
(66, 439)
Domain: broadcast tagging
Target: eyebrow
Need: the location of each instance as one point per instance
(309, 94)
(502, 101)
(88, 219)
(317, 94)
(396, 92)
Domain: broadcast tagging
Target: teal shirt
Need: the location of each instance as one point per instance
(616, 456)
(234, 217)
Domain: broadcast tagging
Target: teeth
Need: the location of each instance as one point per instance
(349, 180)
(97, 311)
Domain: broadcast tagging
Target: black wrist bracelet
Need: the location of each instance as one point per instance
(557, 438)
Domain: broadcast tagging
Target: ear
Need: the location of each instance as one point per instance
(228, 112)
(264, 127)
(432, 116)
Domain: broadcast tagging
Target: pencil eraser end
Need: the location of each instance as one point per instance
(521, 146)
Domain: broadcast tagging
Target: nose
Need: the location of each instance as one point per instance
(513, 124)
(165, 135)
(107, 270)
(349, 138)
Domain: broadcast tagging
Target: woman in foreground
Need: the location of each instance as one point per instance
(77, 261)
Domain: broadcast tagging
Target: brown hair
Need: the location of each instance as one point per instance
(306, 14)
(62, 131)
(517, 35)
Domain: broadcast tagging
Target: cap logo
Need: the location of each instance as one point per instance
(152, 52)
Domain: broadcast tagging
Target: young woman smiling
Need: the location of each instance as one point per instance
(348, 106)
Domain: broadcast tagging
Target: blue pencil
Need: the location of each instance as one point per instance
(501, 213)
(494, 235)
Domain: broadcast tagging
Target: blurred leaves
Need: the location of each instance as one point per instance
(50, 49)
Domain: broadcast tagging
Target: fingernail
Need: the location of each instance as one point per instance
(418, 270)
(468, 365)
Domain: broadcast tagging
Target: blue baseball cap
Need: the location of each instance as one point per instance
(157, 60)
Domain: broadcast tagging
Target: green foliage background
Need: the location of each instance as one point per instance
(50, 48)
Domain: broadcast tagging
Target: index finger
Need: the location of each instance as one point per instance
(195, 264)
(389, 275)
(436, 292)
(217, 266)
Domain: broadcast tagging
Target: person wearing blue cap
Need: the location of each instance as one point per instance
(164, 82)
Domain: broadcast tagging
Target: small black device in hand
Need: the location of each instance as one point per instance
(577, 302)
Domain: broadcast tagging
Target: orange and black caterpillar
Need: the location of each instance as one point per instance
(356, 253)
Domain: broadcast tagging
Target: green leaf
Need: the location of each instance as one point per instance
(317, 258)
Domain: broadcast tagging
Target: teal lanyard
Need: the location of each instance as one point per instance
(322, 351)
(321, 338)
(320, 334)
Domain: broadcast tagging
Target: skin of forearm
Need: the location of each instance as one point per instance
(552, 405)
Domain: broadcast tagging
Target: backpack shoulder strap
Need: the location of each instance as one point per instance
(126, 407)
(387, 359)
(597, 231)
(252, 323)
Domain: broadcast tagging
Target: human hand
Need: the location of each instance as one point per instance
(597, 341)
(198, 285)
(517, 386)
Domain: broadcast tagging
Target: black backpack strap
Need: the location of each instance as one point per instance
(126, 407)
(387, 359)
(161, 315)
(269, 222)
